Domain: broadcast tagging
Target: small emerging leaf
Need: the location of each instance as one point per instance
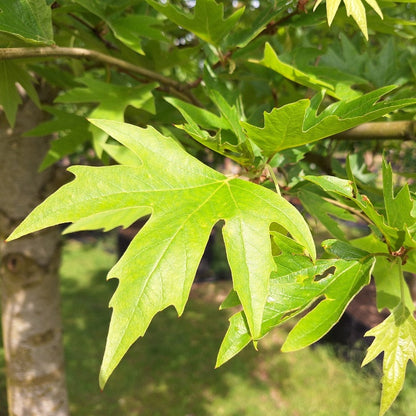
(396, 338)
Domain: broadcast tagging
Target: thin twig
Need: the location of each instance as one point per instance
(354, 211)
(95, 31)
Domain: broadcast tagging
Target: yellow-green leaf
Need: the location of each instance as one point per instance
(185, 199)
(355, 8)
(396, 338)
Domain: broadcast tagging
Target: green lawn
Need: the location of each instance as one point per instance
(171, 370)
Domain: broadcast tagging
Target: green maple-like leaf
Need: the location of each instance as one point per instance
(229, 139)
(185, 199)
(207, 22)
(130, 29)
(396, 338)
(308, 79)
(399, 209)
(294, 286)
(112, 102)
(298, 123)
(29, 20)
(325, 212)
(10, 74)
(391, 289)
(355, 8)
(72, 129)
(112, 99)
(349, 278)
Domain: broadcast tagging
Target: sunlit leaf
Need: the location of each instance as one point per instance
(349, 278)
(185, 199)
(207, 22)
(355, 8)
(395, 337)
(299, 123)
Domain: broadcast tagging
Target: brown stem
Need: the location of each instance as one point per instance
(175, 87)
(387, 130)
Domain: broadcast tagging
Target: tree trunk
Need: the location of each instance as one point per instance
(31, 319)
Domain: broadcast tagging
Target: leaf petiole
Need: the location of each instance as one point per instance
(273, 176)
(402, 292)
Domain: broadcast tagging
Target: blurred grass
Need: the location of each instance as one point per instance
(171, 370)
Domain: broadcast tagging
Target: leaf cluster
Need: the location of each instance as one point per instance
(164, 94)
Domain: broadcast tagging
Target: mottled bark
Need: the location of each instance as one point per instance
(32, 334)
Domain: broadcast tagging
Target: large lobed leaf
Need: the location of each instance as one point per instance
(185, 199)
(297, 284)
(298, 123)
(29, 20)
(207, 22)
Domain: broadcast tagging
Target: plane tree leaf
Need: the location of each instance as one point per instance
(10, 74)
(309, 79)
(112, 101)
(349, 278)
(298, 123)
(229, 139)
(398, 207)
(185, 199)
(72, 130)
(29, 20)
(355, 8)
(325, 212)
(395, 337)
(387, 274)
(294, 286)
(207, 22)
(131, 29)
(397, 225)
(242, 37)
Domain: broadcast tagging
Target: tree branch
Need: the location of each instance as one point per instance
(384, 130)
(179, 89)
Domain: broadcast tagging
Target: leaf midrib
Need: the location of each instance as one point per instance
(163, 252)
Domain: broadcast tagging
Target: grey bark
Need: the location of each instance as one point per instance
(31, 319)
